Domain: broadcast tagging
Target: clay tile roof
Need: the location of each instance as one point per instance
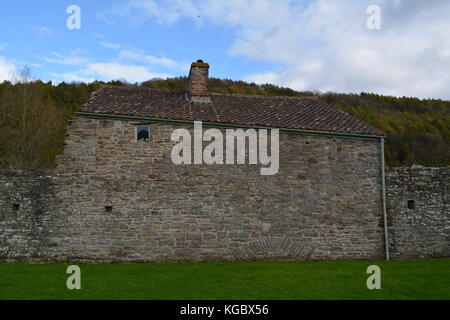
(303, 113)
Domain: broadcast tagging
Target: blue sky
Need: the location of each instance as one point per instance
(35, 33)
(306, 45)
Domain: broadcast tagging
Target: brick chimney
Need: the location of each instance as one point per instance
(198, 82)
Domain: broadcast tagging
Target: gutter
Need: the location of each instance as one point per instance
(226, 125)
(383, 198)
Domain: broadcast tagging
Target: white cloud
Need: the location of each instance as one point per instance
(20, 63)
(161, 62)
(110, 45)
(7, 69)
(128, 52)
(115, 71)
(97, 35)
(324, 44)
(135, 12)
(74, 58)
(116, 68)
(262, 78)
(111, 71)
(71, 77)
(44, 32)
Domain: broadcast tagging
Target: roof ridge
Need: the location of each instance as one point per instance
(263, 96)
(138, 88)
(131, 87)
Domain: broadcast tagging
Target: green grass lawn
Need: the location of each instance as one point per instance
(418, 279)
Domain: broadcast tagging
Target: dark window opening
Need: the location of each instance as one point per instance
(143, 133)
(16, 206)
(109, 208)
(411, 204)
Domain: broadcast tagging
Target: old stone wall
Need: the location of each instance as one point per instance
(419, 211)
(24, 214)
(323, 204)
(113, 199)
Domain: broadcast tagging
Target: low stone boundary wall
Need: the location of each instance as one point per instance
(35, 228)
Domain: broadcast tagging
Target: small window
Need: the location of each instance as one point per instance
(411, 204)
(108, 208)
(143, 133)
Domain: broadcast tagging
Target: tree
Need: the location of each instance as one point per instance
(31, 125)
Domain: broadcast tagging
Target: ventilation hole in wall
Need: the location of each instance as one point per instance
(106, 123)
(16, 206)
(108, 208)
(411, 204)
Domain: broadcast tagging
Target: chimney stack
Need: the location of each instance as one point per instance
(198, 82)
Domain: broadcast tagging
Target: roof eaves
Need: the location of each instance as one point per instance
(231, 125)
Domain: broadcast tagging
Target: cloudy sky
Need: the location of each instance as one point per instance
(321, 45)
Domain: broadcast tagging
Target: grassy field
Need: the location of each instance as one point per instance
(418, 279)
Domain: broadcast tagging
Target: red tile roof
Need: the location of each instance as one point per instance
(303, 113)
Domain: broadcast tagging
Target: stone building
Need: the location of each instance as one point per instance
(127, 201)
(117, 195)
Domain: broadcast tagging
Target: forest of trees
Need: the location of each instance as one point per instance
(418, 131)
(34, 114)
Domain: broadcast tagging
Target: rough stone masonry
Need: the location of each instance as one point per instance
(419, 211)
(115, 200)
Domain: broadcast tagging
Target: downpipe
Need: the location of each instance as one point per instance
(383, 197)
